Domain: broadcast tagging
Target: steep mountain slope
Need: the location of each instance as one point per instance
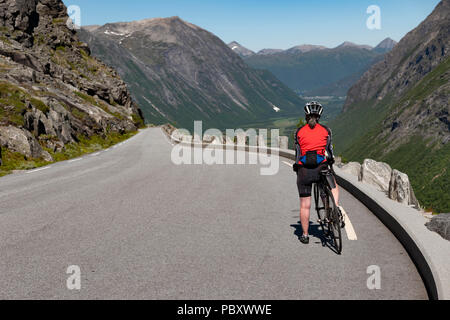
(179, 72)
(240, 50)
(313, 70)
(399, 110)
(52, 92)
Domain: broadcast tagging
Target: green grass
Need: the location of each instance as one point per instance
(87, 98)
(38, 104)
(16, 161)
(12, 104)
(61, 48)
(59, 20)
(89, 145)
(428, 171)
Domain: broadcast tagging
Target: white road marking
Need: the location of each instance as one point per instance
(37, 170)
(351, 234)
(75, 160)
(288, 164)
(96, 154)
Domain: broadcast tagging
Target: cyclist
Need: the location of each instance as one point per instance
(314, 152)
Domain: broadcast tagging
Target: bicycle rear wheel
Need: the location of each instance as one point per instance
(334, 221)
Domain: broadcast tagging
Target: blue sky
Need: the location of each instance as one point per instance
(282, 24)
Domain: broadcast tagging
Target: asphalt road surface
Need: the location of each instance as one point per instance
(140, 227)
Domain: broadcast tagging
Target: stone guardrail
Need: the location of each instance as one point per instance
(429, 252)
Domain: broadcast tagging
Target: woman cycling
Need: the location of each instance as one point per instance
(314, 153)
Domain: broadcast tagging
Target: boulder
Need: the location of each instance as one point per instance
(400, 189)
(21, 141)
(229, 141)
(441, 225)
(353, 168)
(262, 141)
(376, 173)
(217, 141)
(283, 143)
(197, 139)
(241, 138)
(37, 123)
(187, 139)
(208, 139)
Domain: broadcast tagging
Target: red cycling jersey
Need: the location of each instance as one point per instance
(317, 139)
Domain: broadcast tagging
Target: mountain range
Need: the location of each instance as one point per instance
(384, 46)
(53, 93)
(179, 72)
(313, 70)
(398, 112)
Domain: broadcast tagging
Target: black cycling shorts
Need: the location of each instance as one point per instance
(306, 177)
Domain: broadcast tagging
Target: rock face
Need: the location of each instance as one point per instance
(441, 225)
(179, 72)
(353, 168)
(400, 189)
(376, 173)
(51, 90)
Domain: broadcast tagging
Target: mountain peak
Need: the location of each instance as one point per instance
(240, 50)
(386, 45)
(348, 44)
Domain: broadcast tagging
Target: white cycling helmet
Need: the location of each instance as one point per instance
(313, 108)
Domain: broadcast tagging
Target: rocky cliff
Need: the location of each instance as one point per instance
(398, 111)
(180, 72)
(52, 91)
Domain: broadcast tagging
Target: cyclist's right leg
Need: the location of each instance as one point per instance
(335, 192)
(304, 185)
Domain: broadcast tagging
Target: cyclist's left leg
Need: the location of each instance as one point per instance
(305, 212)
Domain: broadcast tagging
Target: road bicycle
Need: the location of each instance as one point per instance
(329, 215)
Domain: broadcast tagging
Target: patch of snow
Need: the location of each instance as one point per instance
(113, 33)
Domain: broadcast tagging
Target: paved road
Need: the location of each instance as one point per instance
(141, 227)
